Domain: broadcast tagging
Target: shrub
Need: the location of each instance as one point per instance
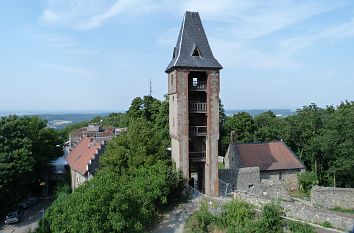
(271, 220)
(237, 216)
(307, 180)
(200, 221)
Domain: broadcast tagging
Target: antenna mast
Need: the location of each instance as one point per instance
(150, 90)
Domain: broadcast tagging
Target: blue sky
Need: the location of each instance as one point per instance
(78, 55)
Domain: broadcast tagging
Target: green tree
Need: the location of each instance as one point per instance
(269, 127)
(139, 146)
(26, 148)
(307, 180)
(237, 216)
(271, 220)
(243, 124)
(147, 107)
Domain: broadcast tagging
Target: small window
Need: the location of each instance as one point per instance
(196, 52)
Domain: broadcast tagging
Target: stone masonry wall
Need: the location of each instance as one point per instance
(241, 179)
(248, 179)
(302, 212)
(287, 177)
(330, 197)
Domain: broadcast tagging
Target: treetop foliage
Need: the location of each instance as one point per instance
(323, 139)
(26, 148)
(134, 183)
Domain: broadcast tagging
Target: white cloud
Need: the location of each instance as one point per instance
(169, 37)
(69, 70)
(327, 35)
(245, 23)
(50, 16)
(120, 7)
(90, 14)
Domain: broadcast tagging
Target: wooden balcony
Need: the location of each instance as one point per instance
(197, 107)
(199, 86)
(197, 156)
(198, 130)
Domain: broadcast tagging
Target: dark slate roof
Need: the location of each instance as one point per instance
(192, 37)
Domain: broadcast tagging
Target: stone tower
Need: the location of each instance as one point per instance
(193, 89)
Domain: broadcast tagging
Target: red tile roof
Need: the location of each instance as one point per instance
(81, 155)
(268, 156)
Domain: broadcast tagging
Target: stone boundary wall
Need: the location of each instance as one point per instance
(330, 197)
(302, 212)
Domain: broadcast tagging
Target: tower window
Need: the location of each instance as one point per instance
(195, 82)
(196, 52)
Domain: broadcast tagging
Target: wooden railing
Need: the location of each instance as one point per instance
(198, 130)
(197, 156)
(197, 107)
(200, 85)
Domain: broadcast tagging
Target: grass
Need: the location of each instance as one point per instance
(298, 227)
(343, 210)
(327, 224)
(300, 194)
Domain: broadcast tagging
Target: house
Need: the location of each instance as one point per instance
(98, 132)
(249, 164)
(83, 160)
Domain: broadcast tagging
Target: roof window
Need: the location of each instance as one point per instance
(196, 52)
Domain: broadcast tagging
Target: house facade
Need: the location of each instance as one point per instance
(84, 160)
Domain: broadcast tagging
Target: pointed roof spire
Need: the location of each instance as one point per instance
(192, 49)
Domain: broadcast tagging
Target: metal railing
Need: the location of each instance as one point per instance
(197, 107)
(198, 130)
(197, 155)
(200, 85)
(224, 188)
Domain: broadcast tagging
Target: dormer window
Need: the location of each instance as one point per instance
(196, 52)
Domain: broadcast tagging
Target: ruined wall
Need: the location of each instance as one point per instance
(330, 197)
(302, 212)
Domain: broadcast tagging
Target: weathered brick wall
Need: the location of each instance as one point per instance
(330, 197)
(211, 165)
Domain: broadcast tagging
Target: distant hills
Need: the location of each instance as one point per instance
(254, 112)
(60, 120)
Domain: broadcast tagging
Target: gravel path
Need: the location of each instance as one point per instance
(174, 221)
